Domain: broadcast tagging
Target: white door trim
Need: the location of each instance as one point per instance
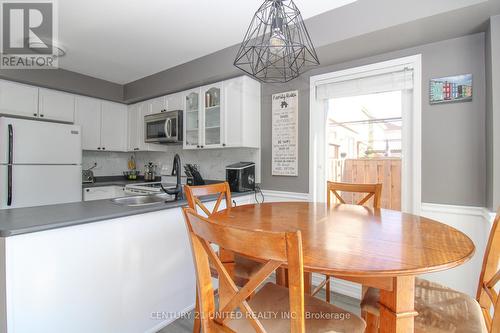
(412, 132)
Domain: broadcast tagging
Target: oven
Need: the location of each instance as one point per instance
(164, 127)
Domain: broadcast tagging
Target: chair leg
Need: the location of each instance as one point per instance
(372, 322)
(327, 289)
(197, 319)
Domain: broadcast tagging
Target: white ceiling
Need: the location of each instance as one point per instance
(122, 41)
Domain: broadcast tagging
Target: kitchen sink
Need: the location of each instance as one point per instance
(143, 200)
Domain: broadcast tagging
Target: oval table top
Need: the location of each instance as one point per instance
(349, 240)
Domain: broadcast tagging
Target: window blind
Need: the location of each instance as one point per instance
(401, 79)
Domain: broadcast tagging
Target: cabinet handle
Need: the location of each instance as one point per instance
(223, 145)
(98, 148)
(103, 148)
(198, 146)
(41, 115)
(34, 114)
(87, 190)
(201, 146)
(136, 148)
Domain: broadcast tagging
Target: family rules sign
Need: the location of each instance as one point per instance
(285, 134)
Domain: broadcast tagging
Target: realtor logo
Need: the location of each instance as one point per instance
(28, 34)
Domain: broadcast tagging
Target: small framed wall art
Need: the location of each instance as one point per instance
(456, 88)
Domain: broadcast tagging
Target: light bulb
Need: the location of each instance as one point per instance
(277, 43)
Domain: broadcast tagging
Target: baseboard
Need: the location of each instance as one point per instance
(488, 215)
(483, 212)
(453, 209)
(287, 195)
(169, 321)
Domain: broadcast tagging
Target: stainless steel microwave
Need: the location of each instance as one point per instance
(163, 127)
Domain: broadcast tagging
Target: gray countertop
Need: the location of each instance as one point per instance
(19, 221)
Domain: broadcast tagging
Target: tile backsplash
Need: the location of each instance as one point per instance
(212, 162)
(108, 163)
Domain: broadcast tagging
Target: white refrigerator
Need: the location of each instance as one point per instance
(40, 163)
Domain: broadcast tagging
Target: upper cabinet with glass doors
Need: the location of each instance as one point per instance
(223, 114)
(192, 117)
(212, 133)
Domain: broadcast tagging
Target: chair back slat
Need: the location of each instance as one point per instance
(274, 248)
(371, 190)
(193, 194)
(487, 295)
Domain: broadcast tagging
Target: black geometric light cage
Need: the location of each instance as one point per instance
(277, 47)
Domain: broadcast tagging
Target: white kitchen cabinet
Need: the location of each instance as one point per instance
(192, 119)
(212, 129)
(104, 124)
(174, 102)
(88, 116)
(223, 114)
(202, 117)
(136, 114)
(133, 142)
(241, 112)
(28, 101)
(158, 104)
(103, 192)
(18, 99)
(56, 105)
(113, 126)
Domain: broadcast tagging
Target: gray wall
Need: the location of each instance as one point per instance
(208, 69)
(68, 81)
(453, 142)
(493, 113)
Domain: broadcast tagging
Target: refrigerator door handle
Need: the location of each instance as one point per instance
(9, 181)
(9, 166)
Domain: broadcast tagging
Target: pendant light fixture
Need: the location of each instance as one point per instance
(277, 47)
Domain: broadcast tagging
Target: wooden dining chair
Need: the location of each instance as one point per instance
(273, 308)
(240, 267)
(371, 190)
(194, 193)
(442, 309)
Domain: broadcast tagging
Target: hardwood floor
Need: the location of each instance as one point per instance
(185, 325)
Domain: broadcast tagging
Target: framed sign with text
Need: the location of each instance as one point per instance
(285, 134)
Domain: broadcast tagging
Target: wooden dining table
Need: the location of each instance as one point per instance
(378, 248)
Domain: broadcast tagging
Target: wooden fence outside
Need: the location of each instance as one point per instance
(380, 170)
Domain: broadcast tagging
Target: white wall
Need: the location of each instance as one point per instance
(476, 223)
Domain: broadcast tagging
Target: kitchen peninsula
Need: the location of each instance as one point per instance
(128, 269)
